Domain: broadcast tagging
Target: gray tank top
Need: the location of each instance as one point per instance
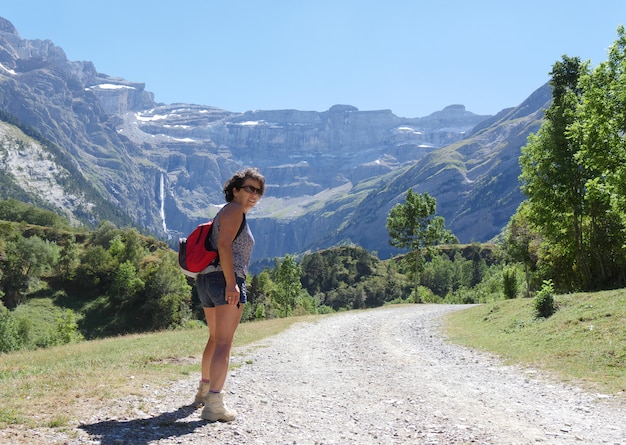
(242, 246)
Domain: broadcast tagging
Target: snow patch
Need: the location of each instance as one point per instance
(7, 69)
(154, 117)
(408, 130)
(109, 86)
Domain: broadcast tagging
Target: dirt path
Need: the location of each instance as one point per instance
(373, 377)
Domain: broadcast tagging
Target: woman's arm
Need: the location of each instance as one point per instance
(230, 221)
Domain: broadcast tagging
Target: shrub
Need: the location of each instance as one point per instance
(9, 333)
(544, 304)
(259, 313)
(323, 309)
(509, 282)
(67, 327)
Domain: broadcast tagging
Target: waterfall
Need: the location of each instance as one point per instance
(162, 189)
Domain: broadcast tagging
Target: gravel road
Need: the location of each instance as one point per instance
(383, 376)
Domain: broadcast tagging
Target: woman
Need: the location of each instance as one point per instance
(222, 291)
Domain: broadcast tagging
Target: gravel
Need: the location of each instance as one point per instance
(384, 376)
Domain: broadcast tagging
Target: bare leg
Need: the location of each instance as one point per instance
(209, 349)
(227, 319)
(207, 357)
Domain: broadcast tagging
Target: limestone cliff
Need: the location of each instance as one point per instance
(331, 175)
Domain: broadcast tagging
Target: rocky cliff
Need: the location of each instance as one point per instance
(331, 175)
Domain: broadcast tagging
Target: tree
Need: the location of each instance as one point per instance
(68, 260)
(104, 234)
(258, 291)
(599, 130)
(167, 295)
(574, 174)
(438, 275)
(414, 225)
(96, 267)
(126, 285)
(25, 260)
(552, 178)
(601, 123)
(288, 286)
(478, 266)
(314, 273)
(521, 242)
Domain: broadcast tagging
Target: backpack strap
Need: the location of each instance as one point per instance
(216, 262)
(243, 224)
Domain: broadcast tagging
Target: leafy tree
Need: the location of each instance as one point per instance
(134, 249)
(258, 291)
(363, 263)
(96, 267)
(68, 260)
(393, 282)
(25, 260)
(315, 272)
(521, 242)
(601, 123)
(478, 266)
(67, 327)
(552, 178)
(413, 225)
(599, 130)
(116, 248)
(104, 234)
(126, 285)
(439, 275)
(574, 174)
(288, 286)
(167, 295)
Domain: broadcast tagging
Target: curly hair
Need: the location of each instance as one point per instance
(238, 179)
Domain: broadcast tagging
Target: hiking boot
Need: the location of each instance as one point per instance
(203, 391)
(214, 409)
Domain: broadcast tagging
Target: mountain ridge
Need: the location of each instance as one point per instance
(164, 164)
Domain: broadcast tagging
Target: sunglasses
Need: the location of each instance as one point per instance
(251, 189)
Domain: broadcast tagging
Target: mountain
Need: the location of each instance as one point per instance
(332, 176)
(474, 180)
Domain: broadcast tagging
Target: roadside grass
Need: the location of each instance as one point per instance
(48, 387)
(583, 343)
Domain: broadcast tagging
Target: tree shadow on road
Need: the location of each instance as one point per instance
(145, 431)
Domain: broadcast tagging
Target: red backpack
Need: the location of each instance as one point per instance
(195, 253)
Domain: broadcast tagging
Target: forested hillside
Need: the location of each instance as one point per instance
(60, 283)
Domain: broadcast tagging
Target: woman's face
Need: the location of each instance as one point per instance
(248, 194)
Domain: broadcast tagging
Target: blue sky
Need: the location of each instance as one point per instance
(411, 56)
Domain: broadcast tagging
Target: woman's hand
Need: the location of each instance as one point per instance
(232, 295)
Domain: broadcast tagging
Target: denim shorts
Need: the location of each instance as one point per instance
(211, 288)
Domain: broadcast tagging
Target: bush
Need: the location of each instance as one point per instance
(509, 282)
(544, 304)
(259, 313)
(9, 332)
(323, 309)
(67, 327)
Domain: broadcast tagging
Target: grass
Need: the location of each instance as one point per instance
(584, 342)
